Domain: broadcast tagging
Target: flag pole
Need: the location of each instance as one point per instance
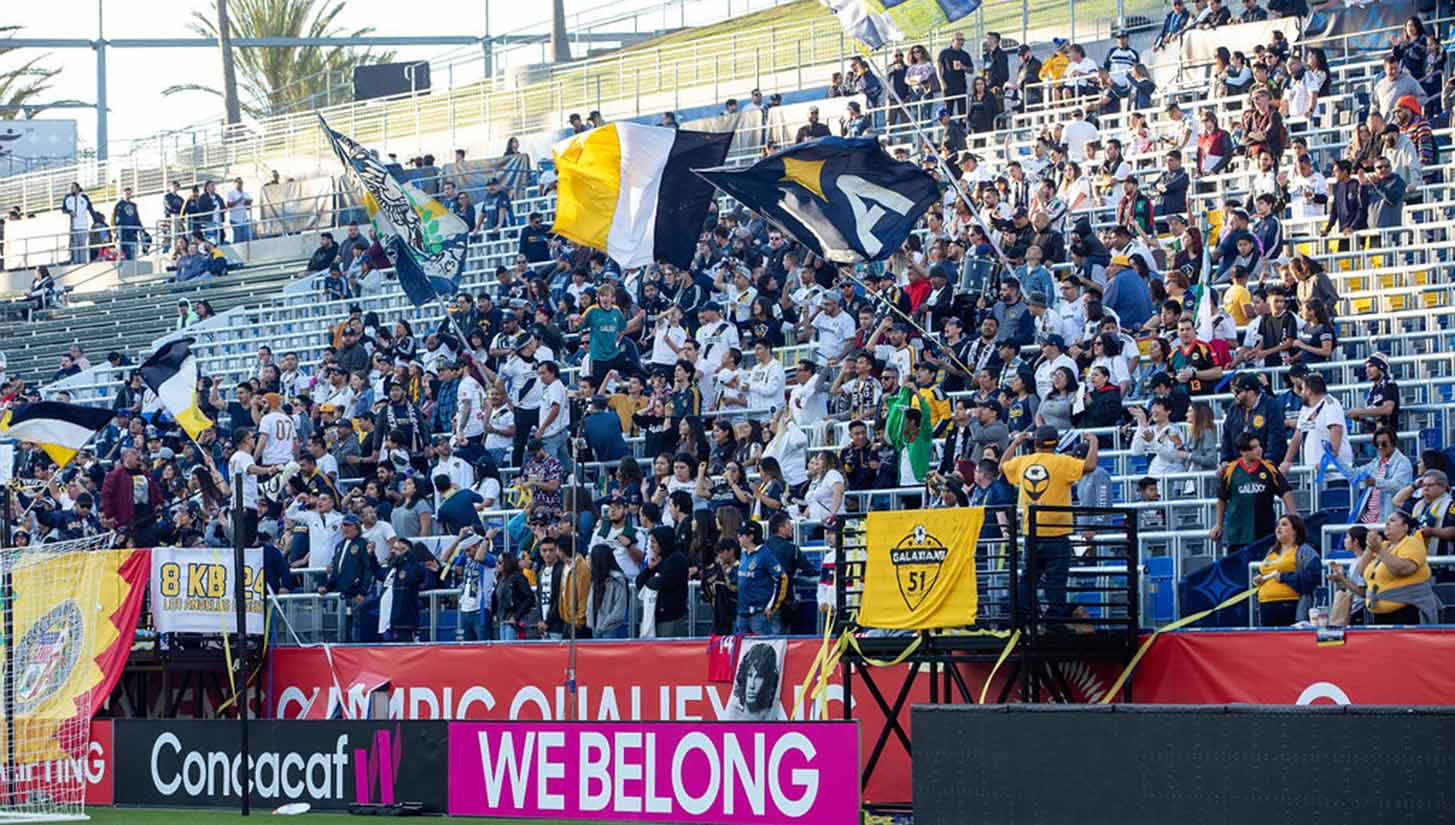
(944, 165)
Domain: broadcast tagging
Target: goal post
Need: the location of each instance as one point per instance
(63, 606)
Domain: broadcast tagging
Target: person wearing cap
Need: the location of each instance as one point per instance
(1127, 294)
(762, 584)
(1053, 357)
(1252, 411)
(496, 211)
(1408, 115)
(988, 428)
(831, 327)
(1121, 58)
(1028, 77)
(353, 570)
(950, 133)
(77, 521)
(1381, 399)
(1054, 68)
(1046, 478)
(1173, 24)
(813, 129)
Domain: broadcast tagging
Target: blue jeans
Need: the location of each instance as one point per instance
(759, 624)
(508, 633)
(242, 232)
(130, 242)
(558, 445)
(477, 626)
(1053, 568)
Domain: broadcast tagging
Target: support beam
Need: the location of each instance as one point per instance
(287, 42)
(103, 137)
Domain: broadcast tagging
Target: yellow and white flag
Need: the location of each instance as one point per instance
(628, 190)
(171, 373)
(59, 429)
(920, 572)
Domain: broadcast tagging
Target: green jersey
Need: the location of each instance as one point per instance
(604, 325)
(1249, 491)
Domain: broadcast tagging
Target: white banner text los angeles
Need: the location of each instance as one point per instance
(192, 590)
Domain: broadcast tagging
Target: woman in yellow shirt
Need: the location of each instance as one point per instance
(1397, 581)
(1277, 574)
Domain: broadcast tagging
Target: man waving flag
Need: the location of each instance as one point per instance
(844, 198)
(171, 373)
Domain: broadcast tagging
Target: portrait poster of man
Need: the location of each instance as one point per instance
(758, 682)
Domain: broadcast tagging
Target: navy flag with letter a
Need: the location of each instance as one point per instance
(844, 198)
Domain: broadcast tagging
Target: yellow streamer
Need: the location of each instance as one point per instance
(903, 654)
(813, 668)
(1004, 654)
(262, 658)
(1182, 622)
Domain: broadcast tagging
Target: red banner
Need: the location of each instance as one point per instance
(617, 680)
(1289, 667)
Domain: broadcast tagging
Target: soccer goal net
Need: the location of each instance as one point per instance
(58, 600)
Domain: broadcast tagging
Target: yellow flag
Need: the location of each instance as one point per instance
(920, 572)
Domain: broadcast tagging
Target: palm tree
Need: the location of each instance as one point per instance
(23, 86)
(274, 80)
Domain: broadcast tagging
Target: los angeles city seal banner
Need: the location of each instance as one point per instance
(74, 617)
(920, 572)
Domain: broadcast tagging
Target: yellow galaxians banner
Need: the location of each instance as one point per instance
(920, 572)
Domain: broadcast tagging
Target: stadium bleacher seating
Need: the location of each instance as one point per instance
(1395, 292)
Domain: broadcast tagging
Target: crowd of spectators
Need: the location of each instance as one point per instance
(1008, 323)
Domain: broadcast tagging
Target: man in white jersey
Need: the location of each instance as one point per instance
(766, 382)
(277, 434)
(242, 466)
(470, 411)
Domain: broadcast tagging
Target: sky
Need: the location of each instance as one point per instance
(136, 77)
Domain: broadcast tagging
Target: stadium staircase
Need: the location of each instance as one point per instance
(128, 318)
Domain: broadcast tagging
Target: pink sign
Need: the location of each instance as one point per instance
(768, 773)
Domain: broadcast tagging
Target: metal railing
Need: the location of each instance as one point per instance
(628, 83)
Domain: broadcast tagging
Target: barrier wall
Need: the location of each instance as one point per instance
(773, 773)
(666, 681)
(1130, 764)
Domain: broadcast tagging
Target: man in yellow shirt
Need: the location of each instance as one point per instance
(1044, 478)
